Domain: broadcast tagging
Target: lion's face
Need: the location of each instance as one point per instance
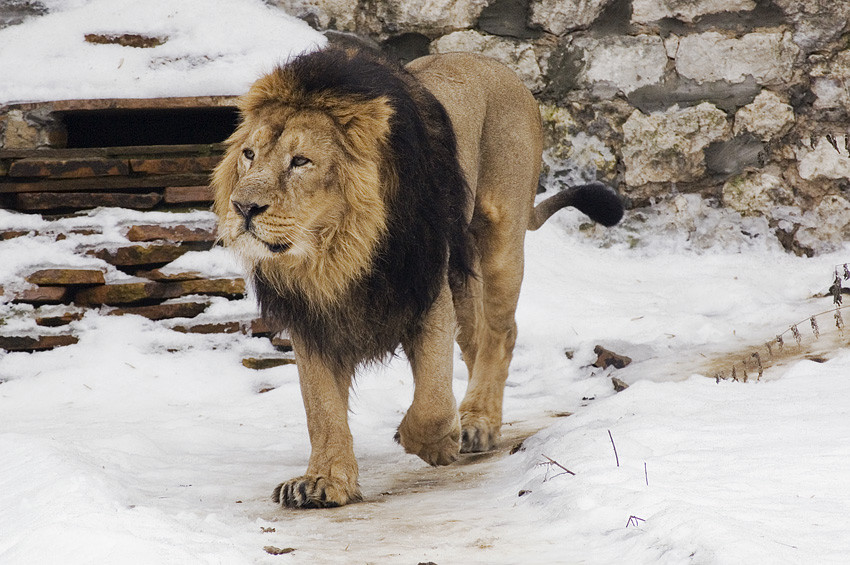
(301, 190)
(288, 201)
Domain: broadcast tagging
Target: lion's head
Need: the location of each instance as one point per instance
(301, 190)
(342, 193)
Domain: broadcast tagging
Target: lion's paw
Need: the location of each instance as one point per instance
(434, 451)
(314, 491)
(478, 434)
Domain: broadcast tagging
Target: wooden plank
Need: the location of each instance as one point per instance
(188, 194)
(34, 201)
(68, 168)
(173, 165)
(104, 183)
(140, 151)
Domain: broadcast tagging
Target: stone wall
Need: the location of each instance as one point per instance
(745, 102)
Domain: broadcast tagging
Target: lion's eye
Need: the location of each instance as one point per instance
(299, 161)
(248, 153)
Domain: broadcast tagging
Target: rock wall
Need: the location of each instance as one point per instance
(745, 102)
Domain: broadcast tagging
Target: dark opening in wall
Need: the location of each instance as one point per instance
(126, 127)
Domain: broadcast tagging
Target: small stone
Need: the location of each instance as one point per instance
(58, 320)
(606, 358)
(260, 363)
(228, 288)
(272, 550)
(619, 385)
(220, 328)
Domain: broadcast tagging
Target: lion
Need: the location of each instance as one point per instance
(377, 206)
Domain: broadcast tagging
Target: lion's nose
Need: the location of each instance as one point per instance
(248, 210)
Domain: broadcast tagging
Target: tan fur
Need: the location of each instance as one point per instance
(333, 235)
(333, 238)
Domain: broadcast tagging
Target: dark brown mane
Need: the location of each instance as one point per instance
(426, 237)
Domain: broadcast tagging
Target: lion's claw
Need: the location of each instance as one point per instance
(477, 435)
(311, 491)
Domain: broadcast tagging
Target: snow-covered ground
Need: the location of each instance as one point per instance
(211, 47)
(143, 445)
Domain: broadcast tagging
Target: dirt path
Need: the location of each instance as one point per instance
(413, 513)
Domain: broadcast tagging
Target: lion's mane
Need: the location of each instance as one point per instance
(425, 203)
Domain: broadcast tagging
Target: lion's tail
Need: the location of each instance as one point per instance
(599, 201)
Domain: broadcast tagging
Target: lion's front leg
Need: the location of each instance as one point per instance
(431, 427)
(331, 477)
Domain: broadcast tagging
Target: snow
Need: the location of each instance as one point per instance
(212, 47)
(144, 445)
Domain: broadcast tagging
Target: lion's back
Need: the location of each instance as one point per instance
(496, 120)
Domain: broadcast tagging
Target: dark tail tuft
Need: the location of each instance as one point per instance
(597, 200)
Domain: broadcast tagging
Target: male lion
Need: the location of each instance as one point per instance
(376, 206)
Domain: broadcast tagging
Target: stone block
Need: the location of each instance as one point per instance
(66, 277)
(828, 158)
(38, 343)
(138, 255)
(116, 294)
(154, 232)
(646, 11)
(160, 276)
(625, 62)
(517, 55)
(768, 116)
(229, 288)
(561, 16)
(163, 311)
(757, 194)
(768, 57)
(668, 147)
(43, 295)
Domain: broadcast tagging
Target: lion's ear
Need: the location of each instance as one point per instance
(365, 121)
